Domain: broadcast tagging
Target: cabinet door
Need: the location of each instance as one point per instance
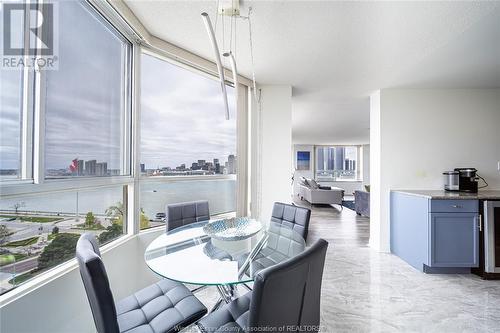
(453, 240)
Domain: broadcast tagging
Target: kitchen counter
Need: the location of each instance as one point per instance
(445, 195)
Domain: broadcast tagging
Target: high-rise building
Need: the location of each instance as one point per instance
(101, 169)
(321, 159)
(90, 167)
(339, 158)
(194, 166)
(201, 163)
(80, 168)
(231, 164)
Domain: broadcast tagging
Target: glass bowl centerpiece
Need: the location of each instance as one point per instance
(232, 229)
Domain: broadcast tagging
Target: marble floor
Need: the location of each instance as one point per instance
(367, 291)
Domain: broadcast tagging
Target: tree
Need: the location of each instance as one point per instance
(55, 230)
(112, 232)
(116, 213)
(61, 249)
(89, 219)
(4, 233)
(18, 205)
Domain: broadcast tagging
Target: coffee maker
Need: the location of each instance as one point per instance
(462, 180)
(467, 180)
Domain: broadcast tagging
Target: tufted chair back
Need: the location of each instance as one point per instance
(294, 217)
(96, 284)
(287, 295)
(183, 213)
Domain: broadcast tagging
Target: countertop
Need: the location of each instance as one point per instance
(442, 194)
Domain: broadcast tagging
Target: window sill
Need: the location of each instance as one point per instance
(53, 274)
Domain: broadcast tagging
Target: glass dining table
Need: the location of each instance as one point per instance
(204, 254)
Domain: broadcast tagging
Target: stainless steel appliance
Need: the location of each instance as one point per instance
(492, 236)
(468, 180)
(451, 180)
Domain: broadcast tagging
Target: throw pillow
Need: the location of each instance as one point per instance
(313, 183)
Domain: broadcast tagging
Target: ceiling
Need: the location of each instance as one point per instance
(335, 54)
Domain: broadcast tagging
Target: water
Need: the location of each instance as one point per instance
(221, 195)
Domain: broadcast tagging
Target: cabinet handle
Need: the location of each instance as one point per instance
(456, 206)
(480, 218)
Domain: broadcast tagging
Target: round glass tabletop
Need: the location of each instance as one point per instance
(188, 254)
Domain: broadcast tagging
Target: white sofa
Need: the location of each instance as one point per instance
(315, 194)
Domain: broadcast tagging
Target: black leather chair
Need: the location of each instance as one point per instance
(285, 298)
(165, 306)
(295, 217)
(183, 213)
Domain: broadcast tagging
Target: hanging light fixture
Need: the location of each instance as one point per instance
(232, 62)
(229, 8)
(220, 69)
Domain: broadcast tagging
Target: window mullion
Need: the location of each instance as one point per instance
(39, 122)
(27, 106)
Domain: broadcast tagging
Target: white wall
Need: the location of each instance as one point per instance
(418, 134)
(61, 305)
(276, 166)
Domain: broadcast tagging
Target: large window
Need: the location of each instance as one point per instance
(86, 106)
(184, 133)
(86, 133)
(337, 163)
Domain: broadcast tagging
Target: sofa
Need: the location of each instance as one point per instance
(362, 203)
(314, 193)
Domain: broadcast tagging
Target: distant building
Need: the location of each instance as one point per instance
(90, 167)
(80, 168)
(194, 166)
(101, 169)
(143, 168)
(231, 164)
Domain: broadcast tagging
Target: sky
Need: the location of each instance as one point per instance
(182, 116)
(182, 111)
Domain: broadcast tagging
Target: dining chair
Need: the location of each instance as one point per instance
(294, 217)
(166, 306)
(183, 213)
(285, 298)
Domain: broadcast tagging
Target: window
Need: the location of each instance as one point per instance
(184, 133)
(87, 98)
(85, 104)
(11, 87)
(337, 163)
(39, 232)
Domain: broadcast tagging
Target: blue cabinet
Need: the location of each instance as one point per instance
(436, 236)
(453, 240)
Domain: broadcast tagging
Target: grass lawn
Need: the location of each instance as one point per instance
(6, 259)
(21, 278)
(22, 242)
(85, 226)
(36, 219)
(52, 236)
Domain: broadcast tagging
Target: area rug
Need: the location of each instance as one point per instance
(348, 204)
